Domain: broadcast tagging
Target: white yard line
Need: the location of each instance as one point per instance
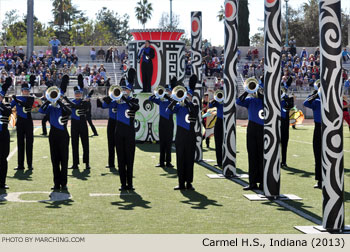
(16, 149)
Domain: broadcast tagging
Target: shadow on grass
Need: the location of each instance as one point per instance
(198, 200)
(112, 171)
(302, 173)
(3, 192)
(130, 201)
(23, 175)
(57, 204)
(148, 147)
(84, 175)
(170, 172)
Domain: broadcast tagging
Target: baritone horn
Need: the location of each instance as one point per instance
(159, 92)
(53, 94)
(251, 85)
(219, 95)
(115, 92)
(179, 93)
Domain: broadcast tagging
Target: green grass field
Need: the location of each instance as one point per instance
(217, 205)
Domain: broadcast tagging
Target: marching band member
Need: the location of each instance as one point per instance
(185, 140)
(79, 126)
(255, 132)
(58, 136)
(112, 123)
(24, 126)
(5, 112)
(147, 54)
(166, 125)
(125, 133)
(313, 102)
(287, 103)
(218, 102)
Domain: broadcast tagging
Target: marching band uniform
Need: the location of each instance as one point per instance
(59, 141)
(185, 140)
(255, 138)
(147, 53)
(218, 130)
(5, 112)
(24, 126)
(112, 123)
(287, 103)
(125, 134)
(88, 118)
(313, 102)
(79, 128)
(166, 129)
(45, 119)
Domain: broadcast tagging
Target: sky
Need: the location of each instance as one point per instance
(213, 30)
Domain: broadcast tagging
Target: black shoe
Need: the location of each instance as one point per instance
(250, 187)
(110, 167)
(74, 167)
(160, 165)
(19, 168)
(182, 187)
(218, 165)
(4, 187)
(30, 168)
(123, 188)
(284, 165)
(64, 188)
(318, 185)
(189, 187)
(43, 134)
(55, 188)
(131, 188)
(169, 165)
(95, 135)
(261, 187)
(87, 167)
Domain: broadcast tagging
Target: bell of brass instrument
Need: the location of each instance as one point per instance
(53, 94)
(251, 85)
(159, 92)
(115, 92)
(179, 93)
(219, 95)
(317, 84)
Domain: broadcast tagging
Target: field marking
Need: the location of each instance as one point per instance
(16, 148)
(297, 141)
(279, 202)
(15, 197)
(109, 194)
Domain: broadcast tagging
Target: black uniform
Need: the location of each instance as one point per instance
(45, 119)
(125, 139)
(286, 104)
(88, 118)
(185, 141)
(79, 128)
(24, 126)
(147, 54)
(59, 141)
(218, 130)
(5, 112)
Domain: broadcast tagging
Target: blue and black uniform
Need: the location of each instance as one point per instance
(125, 139)
(313, 102)
(59, 141)
(185, 141)
(112, 123)
(255, 138)
(218, 130)
(147, 54)
(287, 103)
(24, 126)
(166, 130)
(79, 128)
(89, 119)
(5, 112)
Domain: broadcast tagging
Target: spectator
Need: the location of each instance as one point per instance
(72, 70)
(79, 70)
(317, 52)
(303, 54)
(347, 86)
(66, 50)
(93, 54)
(249, 55)
(345, 55)
(101, 54)
(255, 54)
(48, 51)
(55, 43)
(74, 51)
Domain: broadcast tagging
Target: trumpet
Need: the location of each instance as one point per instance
(53, 94)
(159, 92)
(251, 85)
(179, 93)
(219, 95)
(115, 92)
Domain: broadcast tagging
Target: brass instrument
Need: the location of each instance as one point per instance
(179, 93)
(53, 94)
(115, 92)
(159, 92)
(219, 95)
(317, 84)
(251, 85)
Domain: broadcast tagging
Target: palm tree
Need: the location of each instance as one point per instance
(221, 14)
(143, 11)
(61, 12)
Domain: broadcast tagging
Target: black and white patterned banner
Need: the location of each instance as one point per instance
(332, 114)
(272, 98)
(196, 61)
(230, 79)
